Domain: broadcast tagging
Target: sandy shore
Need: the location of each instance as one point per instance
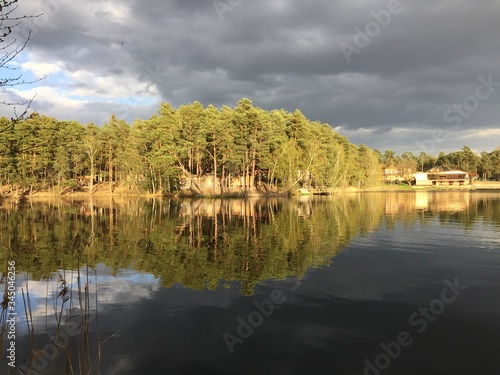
(477, 185)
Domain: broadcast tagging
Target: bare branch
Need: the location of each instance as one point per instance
(11, 49)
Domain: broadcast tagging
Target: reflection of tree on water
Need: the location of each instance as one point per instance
(204, 243)
(304, 207)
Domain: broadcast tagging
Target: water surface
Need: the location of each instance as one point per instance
(271, 286)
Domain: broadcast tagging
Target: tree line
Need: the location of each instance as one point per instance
(177, 147)
(242, 149)
(485, 166)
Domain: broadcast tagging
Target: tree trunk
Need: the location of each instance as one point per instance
(222, 180)
(153, 186)
(110, 170)
(215, 169)
(198, 159)
(252, 176)
(190, 165)
(91, 182)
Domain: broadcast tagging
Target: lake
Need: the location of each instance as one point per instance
(371, 283)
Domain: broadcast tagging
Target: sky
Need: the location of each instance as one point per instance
(401, 75)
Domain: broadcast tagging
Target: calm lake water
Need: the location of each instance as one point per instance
(373, 283)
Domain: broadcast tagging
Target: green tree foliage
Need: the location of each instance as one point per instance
(369, 167)
(425, 162)
(407, 163)
(115, 134)
(92, 145)
(464, 159)
(485, 165)
(40, 153)
(175, 149)
(388, 158)
(489, 165)
(207, 150)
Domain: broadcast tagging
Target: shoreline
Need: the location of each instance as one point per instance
(477, 186)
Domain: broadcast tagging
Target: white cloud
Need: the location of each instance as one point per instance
(118, 12)
(40, 69)
(71, 92)
(484, 133)
(51, 96)
(91, 85)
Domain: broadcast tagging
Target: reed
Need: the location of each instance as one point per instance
(67, 341)
(74, 317)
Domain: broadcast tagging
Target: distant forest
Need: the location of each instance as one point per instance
(177, 148)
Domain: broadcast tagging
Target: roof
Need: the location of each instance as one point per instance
(445, 170)
(451, 172)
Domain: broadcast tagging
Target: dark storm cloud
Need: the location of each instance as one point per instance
(287, 54)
